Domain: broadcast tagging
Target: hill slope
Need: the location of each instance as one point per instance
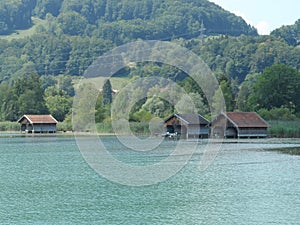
(75, 32)
(147, 19)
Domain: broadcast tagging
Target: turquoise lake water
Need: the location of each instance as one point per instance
(45, 180)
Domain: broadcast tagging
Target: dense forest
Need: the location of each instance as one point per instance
(126, 19)
(43, 66)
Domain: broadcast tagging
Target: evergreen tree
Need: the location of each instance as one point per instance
(107, 93)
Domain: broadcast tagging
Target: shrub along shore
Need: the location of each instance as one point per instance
(284, 129)
(290, 151)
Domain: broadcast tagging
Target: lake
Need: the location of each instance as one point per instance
(45, 180)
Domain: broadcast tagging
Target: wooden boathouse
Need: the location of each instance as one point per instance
(239, 125)
(38, 124)
(187, 125)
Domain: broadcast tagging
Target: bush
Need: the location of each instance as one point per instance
(282, 113)
(104, 127)
(140, 128)
(284, 129)
(64, 126)
(136, 128)
(9, 126)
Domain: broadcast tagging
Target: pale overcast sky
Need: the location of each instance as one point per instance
(265, 15)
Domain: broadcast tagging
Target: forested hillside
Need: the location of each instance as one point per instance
(291, 33)
(75, 32)
(125, 20)
(236, 57)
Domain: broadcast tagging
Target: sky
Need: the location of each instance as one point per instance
(265, 15)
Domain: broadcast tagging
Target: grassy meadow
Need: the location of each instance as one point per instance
(116, 82)
(18, 34)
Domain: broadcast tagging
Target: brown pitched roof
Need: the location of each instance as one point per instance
(38, 119)
(190, 118)
(246, 119)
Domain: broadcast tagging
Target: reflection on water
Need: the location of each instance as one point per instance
(44, 180)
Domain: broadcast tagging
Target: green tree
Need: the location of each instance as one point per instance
(107, 93)
(47, 81)
(27, 69)
(7, 106)
(65, 84)
(28, 96)
(192, 104)
(242, 103)
(47, 6)
(283, 114)
(83, 107)
(102, 111)
(59, 106)
(242, 98)
(142, 116)
(225, 87)
(72, 23)
(158, 107)
(278, 86)
(48, 52)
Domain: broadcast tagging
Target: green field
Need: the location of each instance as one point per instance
(18, 34)
(117, 83)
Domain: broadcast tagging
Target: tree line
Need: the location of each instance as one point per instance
(273, 94)
(32, 94)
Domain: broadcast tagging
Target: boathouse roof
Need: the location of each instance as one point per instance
(38, 119)
(189, 118)
(246, 119)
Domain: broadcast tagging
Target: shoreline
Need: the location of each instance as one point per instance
(216, 140)
(289, 146)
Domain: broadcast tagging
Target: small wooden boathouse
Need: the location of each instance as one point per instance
(239, 125)
(38, 124)
(187, 125)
